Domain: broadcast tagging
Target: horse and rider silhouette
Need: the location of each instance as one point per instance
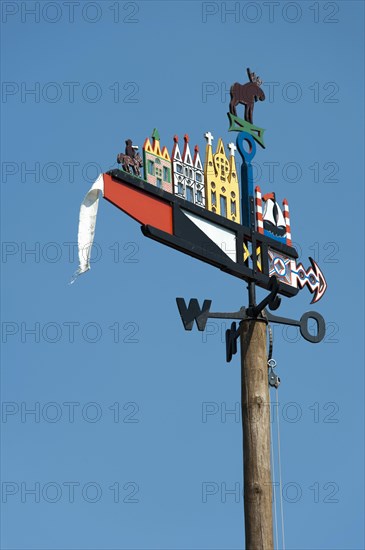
(246, 94)
(131, 159)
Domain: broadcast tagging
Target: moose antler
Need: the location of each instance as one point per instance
(253, 78)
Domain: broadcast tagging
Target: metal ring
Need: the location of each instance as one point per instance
(271, 363)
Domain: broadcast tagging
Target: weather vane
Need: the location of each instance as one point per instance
(203, 208)
(206, 210)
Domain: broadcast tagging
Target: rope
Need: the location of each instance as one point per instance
(274, 489)
(279, 465)
(272, 364)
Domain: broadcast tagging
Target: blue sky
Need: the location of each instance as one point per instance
(117, 452)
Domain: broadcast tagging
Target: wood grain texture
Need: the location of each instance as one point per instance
(255, 400)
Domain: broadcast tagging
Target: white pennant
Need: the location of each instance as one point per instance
(87, 223)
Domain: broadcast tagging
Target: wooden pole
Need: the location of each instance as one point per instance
(255, 400)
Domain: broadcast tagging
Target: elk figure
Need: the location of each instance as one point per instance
(246, 94)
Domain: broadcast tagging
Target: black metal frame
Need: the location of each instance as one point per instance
(254, 312)
(187, 238)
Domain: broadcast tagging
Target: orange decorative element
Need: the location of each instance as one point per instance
(165, 154)
(259, 217)
(287, 222)
(147, 145)
(140, 205)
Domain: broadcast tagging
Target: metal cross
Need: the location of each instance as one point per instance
(232, 148)
(209, 137)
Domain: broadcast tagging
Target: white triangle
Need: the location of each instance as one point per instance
(177, 154)
(223, 238)
(198, 163)
(187, 157)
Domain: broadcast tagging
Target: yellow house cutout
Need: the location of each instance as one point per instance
(221, 182)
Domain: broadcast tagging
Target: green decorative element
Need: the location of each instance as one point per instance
(166, 174)
(156, 135)
(237, 124)
(150, 167)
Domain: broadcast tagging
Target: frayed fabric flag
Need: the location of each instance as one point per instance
(87, 223)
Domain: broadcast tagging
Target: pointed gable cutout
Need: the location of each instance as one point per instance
(156, 148)
(220, 148)
(147, 146)
(165, 154)
(187, 155)
(176, 155)
(197, 161)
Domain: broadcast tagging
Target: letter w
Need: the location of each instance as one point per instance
(193, 313)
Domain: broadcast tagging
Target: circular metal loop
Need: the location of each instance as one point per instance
(321, 327)
(243, 140)
(271, 363)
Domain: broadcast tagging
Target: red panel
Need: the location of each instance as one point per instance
(140, 205)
